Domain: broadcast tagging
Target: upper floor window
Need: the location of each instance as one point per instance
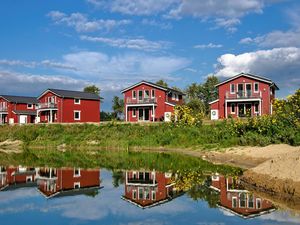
(175, 96)
(29, 106)
(152, 93)
(77, 101)
(52, 99)
(232, 88)
(256, 87)
(134, 94)
(146, 94)
(140, 95)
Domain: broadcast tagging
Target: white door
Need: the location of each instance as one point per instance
(23, 119)
(214, 114)
(168, 116)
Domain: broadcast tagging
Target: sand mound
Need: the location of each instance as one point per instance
(10, 146)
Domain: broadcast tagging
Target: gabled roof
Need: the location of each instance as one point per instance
(153, 85)
(72, 94)
(20, 99)
(256, 77)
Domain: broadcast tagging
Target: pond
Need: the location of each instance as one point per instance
(71, 195)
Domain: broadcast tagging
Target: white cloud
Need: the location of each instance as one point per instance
(210, 45)
(17, 63)
(229, 24)
(81, 23)
(191, 70)
(136, 44)
(279, 64)
(155, 23)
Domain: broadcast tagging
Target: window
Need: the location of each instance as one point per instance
(153, 195)
(141, 193)
(133, 112)
(232, 108)
(76, 172)
(140, 95)
(258, 203)
(242, 200)
(77, 101)
(152, 93)
(147, 194)
(232, 91)
(234, 202)
(77, 115)
(147, 94)
(76, 185)
(250, 201)
(134, 94)
(29, 106)
(174, 96)
(256, 87)
(256, 108)
(133, 194)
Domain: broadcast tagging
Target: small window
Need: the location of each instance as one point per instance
(133, 194)
(29, 106)
(232, 86)
(256, 108)
(258, 203)
(152, 93)
(232, 108)
(76, 185)
(250, 201)
(77, 101)
(243, 199)
(256, 87)
(134, 94)
(76, 115)
(133, 112)
(234, 202)
(76, 172)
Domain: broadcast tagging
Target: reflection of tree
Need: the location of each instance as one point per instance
(203, 192)
(92, 194)
(118, 178)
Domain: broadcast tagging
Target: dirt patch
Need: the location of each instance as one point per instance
(10, 146)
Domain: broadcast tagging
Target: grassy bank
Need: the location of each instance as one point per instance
(259, 131)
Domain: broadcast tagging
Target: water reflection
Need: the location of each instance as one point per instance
(238, 201)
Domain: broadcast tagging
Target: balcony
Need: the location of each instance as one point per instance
(47, 105)
(243, 95)
(141, 101)
(3, 109)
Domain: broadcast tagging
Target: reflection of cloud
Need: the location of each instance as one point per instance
(10, 196)
(282, 216)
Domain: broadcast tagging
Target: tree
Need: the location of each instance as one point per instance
(161, 82)
(92, 89)
(209, 91)
(193, 91)
(118, 106)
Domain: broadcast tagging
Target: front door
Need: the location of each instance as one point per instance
(141, 114)
(245, 109)
(147, 117)
(241, 108)
(248, 109)
(144, 114)
(23, 119)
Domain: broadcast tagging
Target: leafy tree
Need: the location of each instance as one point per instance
(117, 178)
(118, 106)
(161, 82)
(92, 89)
(209, 91)
(193, 91)
(106, 116)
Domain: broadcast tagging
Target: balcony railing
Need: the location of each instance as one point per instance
(141, 101)
(243, 95)
(3, 109)
(47, 105)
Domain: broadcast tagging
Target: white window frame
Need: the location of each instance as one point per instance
(148, 94)
(29, 107)
(77, 103)
(140, 97)
(133, 95)
(241, 201)
(134, 114)
(237, 203)
(256, 91)
(256, 201)
(77, 111)
(152, 93)
(76, 184)
(232, 85)
(232, 112)
(79, 172)
(134, 194)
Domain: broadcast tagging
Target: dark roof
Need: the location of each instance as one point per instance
(73, 94)
(20, 99)
(154, 85)
(25, 112)
(261, 78)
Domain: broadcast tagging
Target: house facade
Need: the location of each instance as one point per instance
(146, 101)
(64, 106)
(243, 95)
(17, 109)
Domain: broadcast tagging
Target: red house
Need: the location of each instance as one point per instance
(17, 109)
(238, 201)
(146, 101)
(64, 106)
(64, 181)
(243, 95)
(147, 189)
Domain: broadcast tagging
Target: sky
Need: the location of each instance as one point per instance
(113, 44)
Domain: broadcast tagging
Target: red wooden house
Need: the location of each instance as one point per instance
(64, 106)
(146, 189)
(243, 95)
(65, 181)
(17, 109)
(146, 101)
(238, 201)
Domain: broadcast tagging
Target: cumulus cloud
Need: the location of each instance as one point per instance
(136, 44)
(282, 65)
(155, 23)
(81, 23)
(210, 45)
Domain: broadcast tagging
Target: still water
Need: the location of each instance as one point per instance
(100, 196)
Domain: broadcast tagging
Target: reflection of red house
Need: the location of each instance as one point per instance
(64, 106)
(58, 182)
(149, 188)
(235, 199)
(242, 95)
(146, 101)
(17, 109)
(14, 177)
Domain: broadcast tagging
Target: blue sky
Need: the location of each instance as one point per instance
(113, 44)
